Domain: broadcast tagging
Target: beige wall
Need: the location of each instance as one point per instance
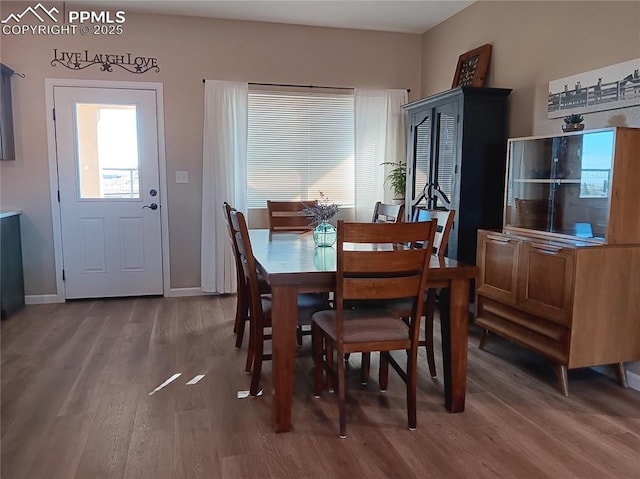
(534, 42)
(188, 50)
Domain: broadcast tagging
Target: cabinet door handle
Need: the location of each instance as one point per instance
(546, 248)
(499, 239)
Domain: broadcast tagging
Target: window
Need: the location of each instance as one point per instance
(298, 145)
(108, 163)
(597, 155)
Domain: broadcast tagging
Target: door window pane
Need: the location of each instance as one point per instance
(108, 163)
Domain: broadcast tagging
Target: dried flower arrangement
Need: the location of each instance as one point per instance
(324, 210)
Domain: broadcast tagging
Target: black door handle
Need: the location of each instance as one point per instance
(152, 206)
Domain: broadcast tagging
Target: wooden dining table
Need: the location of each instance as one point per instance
(292, 264)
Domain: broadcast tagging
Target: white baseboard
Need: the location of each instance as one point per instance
(42, 299)
(634, 380)
(173, 293)
(183, 292)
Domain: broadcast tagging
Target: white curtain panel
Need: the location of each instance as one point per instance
(224, 178)
(379, 136)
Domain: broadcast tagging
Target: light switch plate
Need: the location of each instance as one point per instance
(182, 177)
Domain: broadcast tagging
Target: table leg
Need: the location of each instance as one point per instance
(284, 314)
(454, 330)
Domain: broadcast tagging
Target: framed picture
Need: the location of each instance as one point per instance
(472, 67)
(607, 88)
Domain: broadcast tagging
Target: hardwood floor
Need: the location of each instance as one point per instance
(75, 403)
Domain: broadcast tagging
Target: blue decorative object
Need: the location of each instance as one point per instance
(324, 234)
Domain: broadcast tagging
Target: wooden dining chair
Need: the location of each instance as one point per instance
(260, 304)
(386, 213)
(288, 215)
(444, 220)
(445, 223)
(389, 270)
(382, 213)
(242, 296)
(402, 308)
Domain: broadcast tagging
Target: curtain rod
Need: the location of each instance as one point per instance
(303, 86)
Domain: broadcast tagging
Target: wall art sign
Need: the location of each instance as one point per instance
(106, 61)
(608, 88)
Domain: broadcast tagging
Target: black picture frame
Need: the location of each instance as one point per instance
(7, 141)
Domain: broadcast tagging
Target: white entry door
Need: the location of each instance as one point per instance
(107, 155)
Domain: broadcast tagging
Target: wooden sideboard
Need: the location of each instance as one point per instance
(571, 302)
(559, 279)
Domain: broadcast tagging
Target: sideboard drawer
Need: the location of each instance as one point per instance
(543, 336)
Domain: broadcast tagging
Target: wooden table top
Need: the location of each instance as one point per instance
(284, 255)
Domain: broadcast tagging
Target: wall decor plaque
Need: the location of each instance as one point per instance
(106, 61)
(473, 67)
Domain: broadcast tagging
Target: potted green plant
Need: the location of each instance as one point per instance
(573, 123)
(397, 178)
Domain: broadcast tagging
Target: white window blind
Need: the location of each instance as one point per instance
(300, 144)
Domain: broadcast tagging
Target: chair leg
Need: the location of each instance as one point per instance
(256, 370)
(299, 335)
(251, 349)
(412, 383)
(316, 342)
(328, 347)
(236, 324)
(364, 368)
(483, 338)
(341, 396)
(240, 334)
(383, 373)
(242, 315)
(428, 330)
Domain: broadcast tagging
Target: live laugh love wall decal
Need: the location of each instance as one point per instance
(106, 61)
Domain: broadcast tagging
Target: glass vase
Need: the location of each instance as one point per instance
(324, 259)
(324, 234)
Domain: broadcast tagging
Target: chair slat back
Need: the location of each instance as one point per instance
(288, 216)
(445, 222)
(386, 213)
(366, 288)
(391, 261)
(247, 261)
(227, 208)
(374, 262)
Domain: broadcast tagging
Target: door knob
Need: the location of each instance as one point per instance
(152, 206)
